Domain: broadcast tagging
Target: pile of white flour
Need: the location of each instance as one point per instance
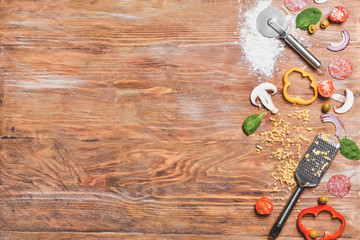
(259, 51)
(262, 53)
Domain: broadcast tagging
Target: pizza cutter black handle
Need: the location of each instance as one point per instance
(276, 229)
(302, 51)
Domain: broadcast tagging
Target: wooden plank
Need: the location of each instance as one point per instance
(130, 236)
(109, 187)
(122, 120)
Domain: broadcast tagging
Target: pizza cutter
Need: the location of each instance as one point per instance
(271, 23)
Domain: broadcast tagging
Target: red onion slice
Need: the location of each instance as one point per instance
(335, 47)
(327, 117)
(337, 126)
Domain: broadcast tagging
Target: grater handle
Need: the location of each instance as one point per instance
(276, 229)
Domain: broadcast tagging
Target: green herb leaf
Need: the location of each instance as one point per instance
(349, 149)
(251, 123)
(307, 17)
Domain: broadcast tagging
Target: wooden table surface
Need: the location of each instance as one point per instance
(122, 120)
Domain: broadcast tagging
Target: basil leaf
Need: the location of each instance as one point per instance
(307, 17)
(349, 149)
(251, 123)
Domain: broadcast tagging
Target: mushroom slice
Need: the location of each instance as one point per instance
(338, 97)
(261, 92)
(320, 1)
(349, 100)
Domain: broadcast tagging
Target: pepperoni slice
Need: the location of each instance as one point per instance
(295, 5)
(340, 68)
(339, 185)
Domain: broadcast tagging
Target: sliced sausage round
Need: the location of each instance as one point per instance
(339, 185)
(295, 5)
(340, 68)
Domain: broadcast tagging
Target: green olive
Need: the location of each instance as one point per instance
(324, 23)
(326, 107)
(312, 29)
(313, 234)
(323, 199)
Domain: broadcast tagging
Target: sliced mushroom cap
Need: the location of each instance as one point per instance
(338, 97)
(258, 90)
(267, 102)
(320, 1)
(349, 100)
(261, 92)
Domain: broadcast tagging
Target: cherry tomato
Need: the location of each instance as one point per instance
(264, 206)
(326, 88)
(338, 14)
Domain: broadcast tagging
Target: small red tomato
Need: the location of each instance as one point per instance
(264, 206)
(326, 88)
(338, 14)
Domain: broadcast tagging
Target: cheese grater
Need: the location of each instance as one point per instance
(309, 172)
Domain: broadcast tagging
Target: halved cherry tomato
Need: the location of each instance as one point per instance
(338, 14)
(326, 88)
(264, 206)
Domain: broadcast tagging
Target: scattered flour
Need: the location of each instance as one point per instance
(260, 52)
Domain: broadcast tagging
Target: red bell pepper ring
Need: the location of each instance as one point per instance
(316, 210)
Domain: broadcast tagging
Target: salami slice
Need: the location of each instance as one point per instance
(295, 5)
(339, 185)
(340, 68)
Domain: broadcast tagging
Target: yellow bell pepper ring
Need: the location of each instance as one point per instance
(297, 99)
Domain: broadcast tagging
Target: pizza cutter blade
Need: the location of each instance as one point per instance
(274, 14)
(271, 23)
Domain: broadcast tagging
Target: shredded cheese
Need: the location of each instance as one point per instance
(284, 143)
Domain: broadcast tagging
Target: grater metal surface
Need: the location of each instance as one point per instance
(309, 172)
(316, 161)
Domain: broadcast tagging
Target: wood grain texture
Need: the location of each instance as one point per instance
(122, 120)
